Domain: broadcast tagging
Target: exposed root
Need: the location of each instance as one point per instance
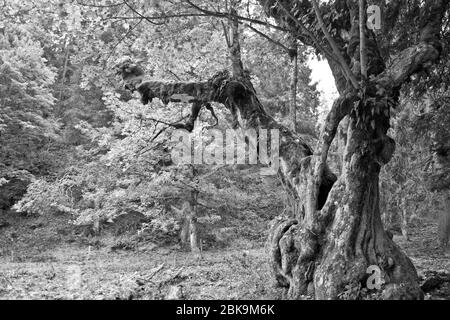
(276, 253)
(324, 255)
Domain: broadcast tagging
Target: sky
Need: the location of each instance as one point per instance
(321, 73)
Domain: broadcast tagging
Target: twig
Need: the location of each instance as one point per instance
(174, 74)
(225, 33)
(178, 273)
(141, 15)
(100, 5)
(123, 38)
(168, 126)
(268, 38)
(155, 271)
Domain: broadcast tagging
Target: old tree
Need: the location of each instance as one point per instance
(337, 232)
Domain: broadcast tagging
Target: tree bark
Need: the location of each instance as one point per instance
(192, 218)
(440, 181)
(362, 38)
(293, 86)
(189, 230)
(404, 217)
(444, 224)
(184, 232)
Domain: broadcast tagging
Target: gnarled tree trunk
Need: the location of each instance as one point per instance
(323, 250)
(329, 249)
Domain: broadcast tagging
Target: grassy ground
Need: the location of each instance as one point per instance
(40, 259)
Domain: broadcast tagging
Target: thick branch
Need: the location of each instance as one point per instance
(362, 38)
(341, 108)
(346, 69)
(421, 55)
(238, 96)
(235, 46)
(406, 64)
(276, 42)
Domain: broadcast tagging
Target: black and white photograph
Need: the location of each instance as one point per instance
(224, 157)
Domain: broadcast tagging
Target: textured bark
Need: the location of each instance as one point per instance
(192, 218)
(440, 180)
(293, 85)
(444, 224)
(184, 232)
(235, 46)
(404, 216)
(189, 230)
(362, 38)
(356, 238)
